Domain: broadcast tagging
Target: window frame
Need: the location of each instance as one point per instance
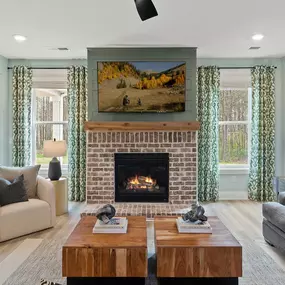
(44, 167)
(242, 168)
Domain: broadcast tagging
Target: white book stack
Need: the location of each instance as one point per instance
(117, 225)
(193, 228)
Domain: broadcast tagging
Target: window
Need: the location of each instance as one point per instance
(50, 121)
(234, 118)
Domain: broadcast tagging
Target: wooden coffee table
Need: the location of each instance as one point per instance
(105, 258)
(197, 258)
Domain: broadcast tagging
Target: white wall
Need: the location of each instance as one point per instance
(4, 114)
(233, 183)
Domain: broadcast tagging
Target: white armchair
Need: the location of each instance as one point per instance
(23, 218)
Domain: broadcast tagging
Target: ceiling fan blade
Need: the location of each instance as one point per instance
(146, 9)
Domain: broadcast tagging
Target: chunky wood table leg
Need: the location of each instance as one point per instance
(198, 281)
(105, 281)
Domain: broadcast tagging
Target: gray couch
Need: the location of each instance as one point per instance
(274, 222)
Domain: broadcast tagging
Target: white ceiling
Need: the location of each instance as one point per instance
(219, 28)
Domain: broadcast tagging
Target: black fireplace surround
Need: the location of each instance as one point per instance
(141, 177)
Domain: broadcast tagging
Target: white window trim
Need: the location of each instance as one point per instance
(44, 167)
(239, 168)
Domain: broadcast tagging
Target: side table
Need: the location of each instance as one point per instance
(61, 197)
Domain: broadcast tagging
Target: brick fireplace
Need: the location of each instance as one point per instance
(177, 140)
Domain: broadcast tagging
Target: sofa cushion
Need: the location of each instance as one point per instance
(24, 218)
(14, 192)
(275, 214)
(30, 177)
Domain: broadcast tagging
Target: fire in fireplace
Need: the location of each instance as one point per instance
(141, 177)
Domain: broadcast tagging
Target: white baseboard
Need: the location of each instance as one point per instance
(233, 195)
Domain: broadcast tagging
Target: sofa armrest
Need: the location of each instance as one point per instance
(281, 198)
(275, 214)
(46, 192)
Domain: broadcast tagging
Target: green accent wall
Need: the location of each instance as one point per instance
(4, 112)
(142, 54)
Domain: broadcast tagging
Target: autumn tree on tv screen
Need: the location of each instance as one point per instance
(141, 86)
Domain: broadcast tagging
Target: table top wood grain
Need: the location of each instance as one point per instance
(167, 235)
(82, 235)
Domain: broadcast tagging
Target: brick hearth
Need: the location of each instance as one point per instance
(181, 146)
(140, 209)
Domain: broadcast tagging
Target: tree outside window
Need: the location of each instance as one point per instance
(51, 120)
(234, 118)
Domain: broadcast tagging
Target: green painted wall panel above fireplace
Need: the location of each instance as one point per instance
(142, 54)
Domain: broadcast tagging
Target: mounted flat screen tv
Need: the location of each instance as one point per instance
(141, 86)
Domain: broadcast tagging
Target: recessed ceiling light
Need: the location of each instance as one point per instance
(257, 37)
(20, 38)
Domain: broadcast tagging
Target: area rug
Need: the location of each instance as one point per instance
(45, 262)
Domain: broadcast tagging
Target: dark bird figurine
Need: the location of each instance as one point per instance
(139, 102)
(195, 214)
(106, 213)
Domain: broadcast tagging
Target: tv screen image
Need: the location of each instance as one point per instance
(141, 86)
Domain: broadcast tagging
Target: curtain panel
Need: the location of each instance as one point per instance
(22, 125)
(77, 113)
(208, 91)
(262, 156)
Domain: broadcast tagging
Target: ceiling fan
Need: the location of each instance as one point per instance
(146, 9)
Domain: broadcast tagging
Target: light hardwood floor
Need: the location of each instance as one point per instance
(243, 219)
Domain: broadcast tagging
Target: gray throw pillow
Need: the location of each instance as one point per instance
(30, 177)
(14, 192)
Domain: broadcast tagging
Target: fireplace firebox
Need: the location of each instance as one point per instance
(141, 177)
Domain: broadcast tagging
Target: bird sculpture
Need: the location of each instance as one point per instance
(196, 214)
(106, 213)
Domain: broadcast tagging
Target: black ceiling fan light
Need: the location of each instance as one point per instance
(146, 9)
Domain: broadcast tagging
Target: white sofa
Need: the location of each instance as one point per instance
(23, 218)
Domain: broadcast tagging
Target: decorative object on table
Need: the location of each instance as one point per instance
(195, 214)
(194, 221)
(54, 149)
(197, 227)
(117, 225)
(106, 213)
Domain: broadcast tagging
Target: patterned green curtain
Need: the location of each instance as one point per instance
(262, 157)
(22, 101)
(77, 115)
(208, 81)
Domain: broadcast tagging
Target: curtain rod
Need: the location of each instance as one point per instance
(222, 67)
(44, 67)
(239, 67)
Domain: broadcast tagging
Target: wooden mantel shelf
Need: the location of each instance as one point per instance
(142, 126)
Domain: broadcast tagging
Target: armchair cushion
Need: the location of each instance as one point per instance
(30, 177)
(14, 192)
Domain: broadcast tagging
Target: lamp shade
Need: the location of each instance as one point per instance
(54, 148)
